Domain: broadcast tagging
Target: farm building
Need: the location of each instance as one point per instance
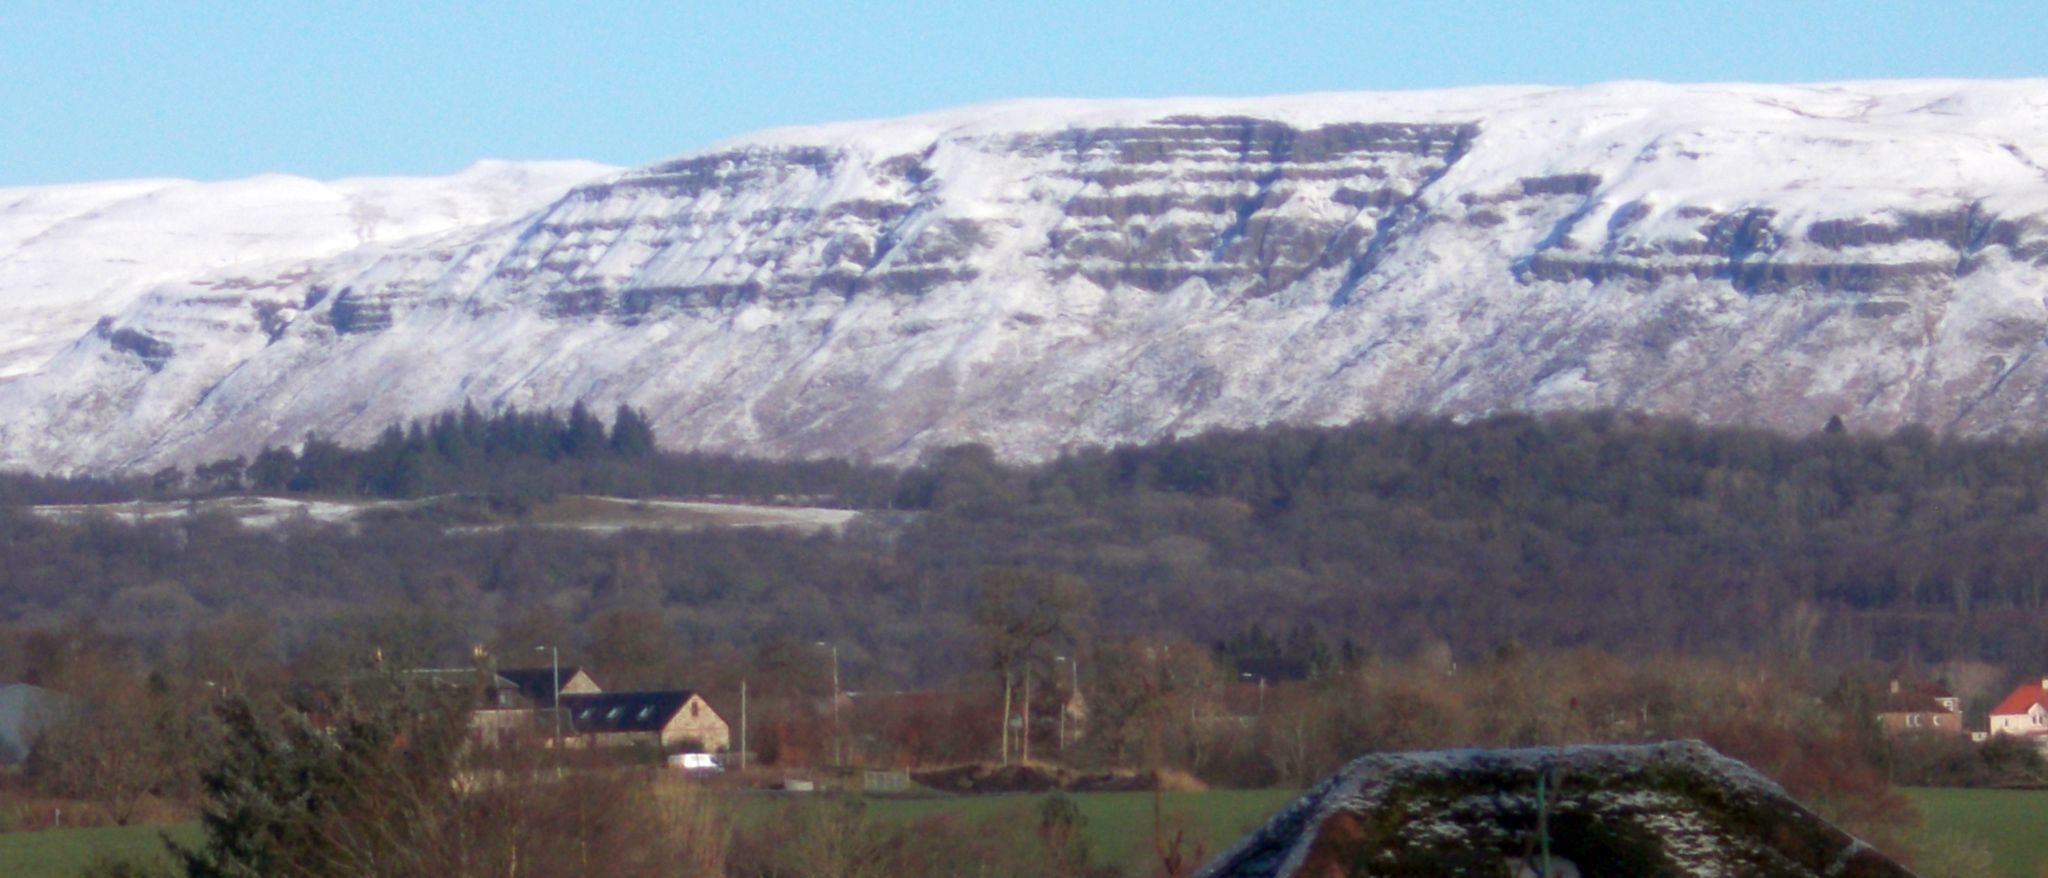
(669, 720)
(537, 685)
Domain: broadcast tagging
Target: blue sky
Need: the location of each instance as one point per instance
(211, 90)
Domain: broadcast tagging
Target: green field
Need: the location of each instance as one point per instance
(1118, 825)
(61, 853)
(2011, 824)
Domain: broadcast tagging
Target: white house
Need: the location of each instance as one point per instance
(2024, 712)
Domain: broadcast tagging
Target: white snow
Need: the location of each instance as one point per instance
(988, 307)
(71, 254)
(597, 514)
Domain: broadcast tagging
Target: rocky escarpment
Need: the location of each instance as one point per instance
(1146, 207)
(1750, 252)
(1043, 274)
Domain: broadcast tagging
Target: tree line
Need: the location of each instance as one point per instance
(520, 454)
(379, 779)
(1579, 577)
(1290, 547)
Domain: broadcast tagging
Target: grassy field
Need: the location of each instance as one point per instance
(62, 853)
(2012, 824)
(1118, 824)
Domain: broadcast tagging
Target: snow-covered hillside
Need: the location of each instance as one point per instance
(72, 254)
(1038, 274)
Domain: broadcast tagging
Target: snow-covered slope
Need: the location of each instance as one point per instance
(1038, 274)
(72, 254)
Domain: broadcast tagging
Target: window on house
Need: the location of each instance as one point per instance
(585, 714)
(614, 713)
(646, 712)
(1912, 720)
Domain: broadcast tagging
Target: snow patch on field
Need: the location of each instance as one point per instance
(583, 513)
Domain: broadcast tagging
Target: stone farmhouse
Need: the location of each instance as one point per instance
(669, 720)
(519, 701)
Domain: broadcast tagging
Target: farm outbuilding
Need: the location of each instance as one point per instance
(668, 720)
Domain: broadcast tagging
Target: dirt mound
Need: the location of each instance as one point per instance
(1164, 779)
(983, 778)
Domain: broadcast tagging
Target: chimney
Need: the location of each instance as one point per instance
(1895, 686)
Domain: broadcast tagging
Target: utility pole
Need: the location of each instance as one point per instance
(555, 663)
(1027, 713)
(743, 726)
(1062, 704)
(1073, 692)
(838, 759)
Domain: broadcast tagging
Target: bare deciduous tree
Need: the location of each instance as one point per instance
(1022, 616)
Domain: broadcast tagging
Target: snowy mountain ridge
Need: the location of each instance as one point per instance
(72, 253)
(1040, 274)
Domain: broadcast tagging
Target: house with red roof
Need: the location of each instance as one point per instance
(2024, 712)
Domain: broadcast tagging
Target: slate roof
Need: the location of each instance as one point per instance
(491, 691)
(1917, 698)
(537, 685)
(622, 712)
(1908, 702)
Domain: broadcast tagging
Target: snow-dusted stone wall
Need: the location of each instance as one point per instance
(1676, 809)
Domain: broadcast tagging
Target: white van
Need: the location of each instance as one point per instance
(696, 763)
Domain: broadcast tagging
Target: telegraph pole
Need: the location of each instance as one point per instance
(838, 759)
(1061, 702)
(1027, 713)
(555, 662)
